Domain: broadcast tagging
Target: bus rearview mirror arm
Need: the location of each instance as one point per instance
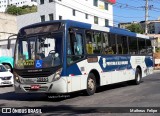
(9, 41)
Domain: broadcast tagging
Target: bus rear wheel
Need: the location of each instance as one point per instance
(91, 84)
(138, 77)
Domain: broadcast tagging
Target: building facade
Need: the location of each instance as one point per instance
(153, 26)
(98, 12)
(153, 29)
(125, 25)
(18, 3)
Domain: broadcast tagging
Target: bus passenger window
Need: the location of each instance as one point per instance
(93, 42)
(148, 47)
(109, 50)
(105, 44)
(125, 44)
(112, 43)
(89, 46)
(122, 44)
(97, 48)
(78, 45)
(75, 49)
(119, 44)
(141, 46)
(75, 44)
(133, 47)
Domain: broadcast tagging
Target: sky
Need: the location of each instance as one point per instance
(134, 10)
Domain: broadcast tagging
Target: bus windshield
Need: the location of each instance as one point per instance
(39, 51)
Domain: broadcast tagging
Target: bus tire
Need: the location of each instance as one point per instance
(91, 84)
(138, 77)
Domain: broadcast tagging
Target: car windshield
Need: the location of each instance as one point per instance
(40, 51)
(2, 69)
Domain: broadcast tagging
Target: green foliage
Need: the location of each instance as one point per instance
(157, 49)
(21, 10)
(135, 28)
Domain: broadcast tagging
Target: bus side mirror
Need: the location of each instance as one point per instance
(9, 40)
(9, 44)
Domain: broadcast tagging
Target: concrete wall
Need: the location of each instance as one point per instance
(8, 26)
(27, 19)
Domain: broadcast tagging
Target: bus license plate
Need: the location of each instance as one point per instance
(35, 87)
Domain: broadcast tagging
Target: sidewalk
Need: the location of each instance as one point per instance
(156, 71)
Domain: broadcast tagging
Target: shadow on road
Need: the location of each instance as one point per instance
(54, 97)
(114, 86)
(65, 109)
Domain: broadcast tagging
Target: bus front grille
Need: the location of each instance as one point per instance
(31, 73)
(36, 74)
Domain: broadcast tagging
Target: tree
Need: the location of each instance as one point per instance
(135, 28)
(20, 10)
(14, 10)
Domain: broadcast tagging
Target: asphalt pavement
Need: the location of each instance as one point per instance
(117, 99)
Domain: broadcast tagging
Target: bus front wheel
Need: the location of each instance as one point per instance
(138, 77)
(91, 84)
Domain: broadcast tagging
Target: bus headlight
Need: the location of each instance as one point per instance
(16, 77)
(57, 75)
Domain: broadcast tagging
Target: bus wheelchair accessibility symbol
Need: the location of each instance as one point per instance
(38, 63)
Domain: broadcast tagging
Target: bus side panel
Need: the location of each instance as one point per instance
(149, 65)
(144, 62)
(112, 69)
(78, 74)
(76, 77)
(107, 68)
(115, 68)
(86, 68)
(76, 83)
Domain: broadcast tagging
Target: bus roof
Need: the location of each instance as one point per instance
(71, 23)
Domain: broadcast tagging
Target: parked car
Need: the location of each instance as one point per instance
(6, 77)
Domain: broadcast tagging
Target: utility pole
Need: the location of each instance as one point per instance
(146, 17)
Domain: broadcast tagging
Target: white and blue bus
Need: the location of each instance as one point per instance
(67, 56)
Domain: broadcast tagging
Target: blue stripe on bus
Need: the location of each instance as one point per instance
(112, 63)
(149, 61)
(73, 69)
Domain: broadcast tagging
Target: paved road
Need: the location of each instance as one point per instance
(147, 94)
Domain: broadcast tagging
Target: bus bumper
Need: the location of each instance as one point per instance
(59, 86)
